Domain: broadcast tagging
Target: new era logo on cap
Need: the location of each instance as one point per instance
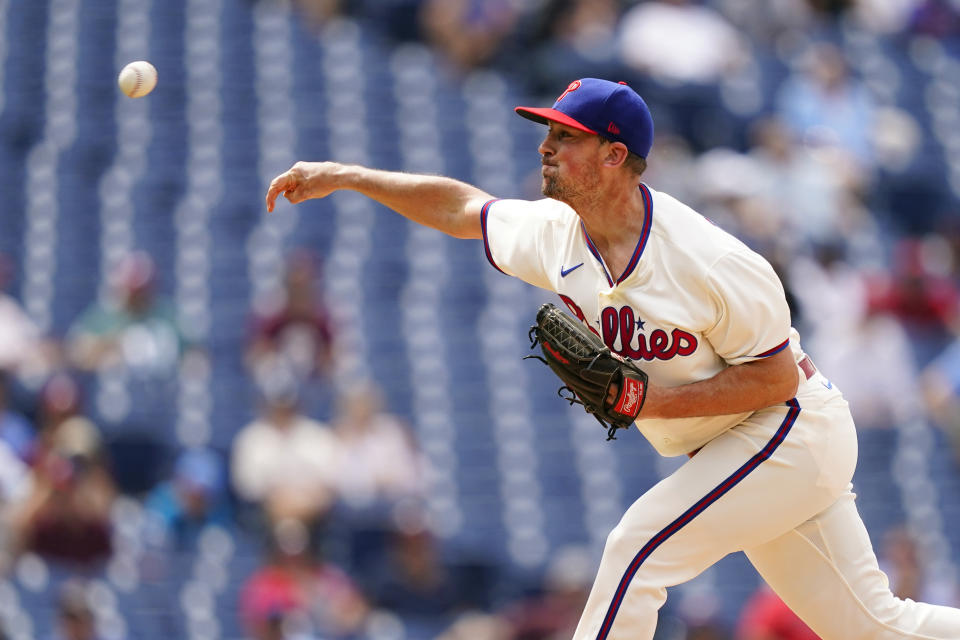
(609, 109)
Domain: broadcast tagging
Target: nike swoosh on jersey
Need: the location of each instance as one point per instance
(565, 272)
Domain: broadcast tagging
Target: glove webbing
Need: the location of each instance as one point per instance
(572, 397)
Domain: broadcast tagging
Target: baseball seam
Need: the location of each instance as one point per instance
(136, 85)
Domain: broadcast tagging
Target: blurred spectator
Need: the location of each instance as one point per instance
(379, 473)
(940, 382)
(399, 20)
(679, 42)
(573, 39)
(707, 631)
(555, 612)
(936, 18)
(920, 292)
(477, 625)
(67, 514)
(897, 141)
(194, 497)
(469, 33)
(23, 348)
(854, 339)
(378, 461)
(831, 8)
(293, 329)
(900, 561)
(298, 594)
(813, 195)
(135, 344)
(64, 431)
(75, 615)
(135, 329)
(728, 187)
(283, 461)
(15, 430)
(766, 20)
(413, 582)
(766, 617)
(317, 12)
(60, 419)
(825, 106)
(15, 487)
(883, 17)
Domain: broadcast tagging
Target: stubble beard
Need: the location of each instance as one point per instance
(558, 189)
(551, 188)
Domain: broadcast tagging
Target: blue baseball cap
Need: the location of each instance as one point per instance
(609, 109)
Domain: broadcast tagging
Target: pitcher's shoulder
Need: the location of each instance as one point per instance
(687, 232)
(547, 208)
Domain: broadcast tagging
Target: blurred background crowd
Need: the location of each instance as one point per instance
(216, 423)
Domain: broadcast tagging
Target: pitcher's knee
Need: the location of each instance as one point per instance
(616, 539)
(633, 563)
(630, 537)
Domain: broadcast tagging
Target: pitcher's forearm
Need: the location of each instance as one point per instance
(449, 205)
(434, 201)
(738, 389)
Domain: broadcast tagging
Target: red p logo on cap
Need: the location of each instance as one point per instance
(573, 86)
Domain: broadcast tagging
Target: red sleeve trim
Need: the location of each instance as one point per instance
(776, 349)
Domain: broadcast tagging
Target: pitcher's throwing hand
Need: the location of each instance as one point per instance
(303, 181)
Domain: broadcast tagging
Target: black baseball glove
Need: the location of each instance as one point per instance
(588, 369)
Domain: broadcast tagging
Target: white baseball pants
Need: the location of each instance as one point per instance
(778, 488)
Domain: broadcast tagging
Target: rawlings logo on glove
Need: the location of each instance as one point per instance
(630, 396)
(589, 370)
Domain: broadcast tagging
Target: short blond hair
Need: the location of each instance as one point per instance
(635, 163)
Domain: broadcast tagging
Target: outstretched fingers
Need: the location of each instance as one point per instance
(277, 186)
(284, 183)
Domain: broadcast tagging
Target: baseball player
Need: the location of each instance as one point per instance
(771, 442)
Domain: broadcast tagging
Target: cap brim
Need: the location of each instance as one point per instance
(545, 116)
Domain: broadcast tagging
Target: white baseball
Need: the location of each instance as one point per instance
(137, 79)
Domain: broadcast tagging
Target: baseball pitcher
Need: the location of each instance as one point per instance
(683, 331)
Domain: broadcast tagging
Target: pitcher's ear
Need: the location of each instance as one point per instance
(617, 153)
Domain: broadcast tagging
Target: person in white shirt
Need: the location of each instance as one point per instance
(284, 461)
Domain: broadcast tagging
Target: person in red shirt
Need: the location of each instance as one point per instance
(297, 591)
(294, 327)
(766, 617)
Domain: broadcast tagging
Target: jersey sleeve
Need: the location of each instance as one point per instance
(516, 237)
(753, 319)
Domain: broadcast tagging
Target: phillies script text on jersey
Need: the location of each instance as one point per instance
(622, 323)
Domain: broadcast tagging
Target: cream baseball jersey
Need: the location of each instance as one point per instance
(692, 301)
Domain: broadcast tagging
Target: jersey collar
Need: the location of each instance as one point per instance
(641, 243)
